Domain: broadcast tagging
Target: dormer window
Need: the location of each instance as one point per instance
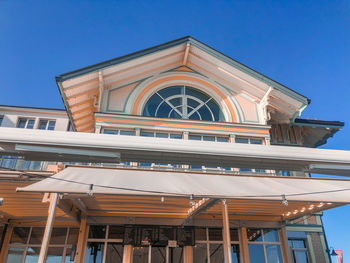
(183, 102)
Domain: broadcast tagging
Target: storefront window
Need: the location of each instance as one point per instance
(25, 244)
(264, 246)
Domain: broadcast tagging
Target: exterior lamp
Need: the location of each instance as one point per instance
(1, 200)
(333, 253)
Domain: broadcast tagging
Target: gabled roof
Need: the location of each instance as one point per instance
(82, 88)
(183, 40)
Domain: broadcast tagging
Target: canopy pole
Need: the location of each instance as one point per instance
(284, 245)
(48, 228)
(83, 232)
(226, 233)
(127, 253)
(188, 254)
(243, 245)
(5, 243)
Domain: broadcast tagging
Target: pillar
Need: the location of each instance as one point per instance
(226, 233)
(188, 254)
(287, 258)
(5, 243)
(83, 232)
(127, 254)
(243, 245)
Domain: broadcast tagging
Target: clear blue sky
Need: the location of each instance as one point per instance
(302, 44)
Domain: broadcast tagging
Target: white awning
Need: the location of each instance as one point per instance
(135, 182)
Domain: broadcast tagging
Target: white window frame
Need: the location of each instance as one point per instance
(27, 120)
(47, 124)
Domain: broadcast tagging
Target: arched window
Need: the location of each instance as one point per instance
(183, 102)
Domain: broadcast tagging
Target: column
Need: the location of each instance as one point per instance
(282, 234)
(127, 254)
(188, 254)
(243, 245)
(5, 244)
(48, 229)
(226, 233)
(83, 232)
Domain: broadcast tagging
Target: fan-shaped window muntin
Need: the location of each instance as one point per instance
(183, 102)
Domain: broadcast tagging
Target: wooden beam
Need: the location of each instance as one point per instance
(187, 51)
(82, 104)
(243, 245)
(83, 232)
(127, 254)
(78, 202)
(287, 258)
(48, 228)
(226, 233)
(199, 207)
(5, 243)
(188, 254)
(69, 208)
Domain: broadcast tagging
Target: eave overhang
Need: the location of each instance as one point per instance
(87, 81)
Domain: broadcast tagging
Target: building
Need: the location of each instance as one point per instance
(181, 154)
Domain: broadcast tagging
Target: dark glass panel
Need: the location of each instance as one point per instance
(175, 115)
(109, 131)
(97, 231)
(94, 251)
(236, 258)
(54, 255)
(205, 114)
(163, 110)
(209, 138)
(176, 101)
(273, 253)
(222, 139)
(271, 235)
(158, 255)
(256, 253)
(147, 134)
(162, 135)
(116, 232)
(36, 236)
(200, 253)
(241, 140)
(30, 124)
(300, 256)
(52, 125)
(42, 125)
(114, 253)
(15, 254)
(21, 123)
(58, 235)
(19, 235)
(215, 234)
(195, 137)
(256, 141)
(299, 244)
(214, 107)
(195, 116)
(216, 253)
(175, 136)
(234, 234)
(140, 255)
(201, 234)
(151, 105)
(170, 91)
(196, 93)
(193, 103)
(128, 133)
(254, 235)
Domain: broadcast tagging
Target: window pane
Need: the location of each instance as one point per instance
(116, 232)
(94, 252)
(299, 244)
(97, 231)
(271, 235)
(42, 125)
(1, 118)
(30, 124)
(21, 123)
(236, 258)
(54, 255)
(175, 255)
(195, 137)
(222, 139)
(162, 135)
(234, 234)
(216, 253)
(114, 253)
(20, 235)
(209, 138)
(215, 234)
(273, 253)
(14, 255)
(147, 134)
(256, 253)
(129, 133)
(58, 235)
(70, 255)
(32, 254)
(158, 254)
(200, 253)
(108, 131)
(37, 235)
(254, 235)
(175, 136)
(201, 234)
(300, 257)
(241, 140)
(52, 125)
(140, 255)
(256, 141)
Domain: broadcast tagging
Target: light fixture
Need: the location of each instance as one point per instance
(192, 203)
(162, 199)
(90, 193)
(284, 200)
(333, 253)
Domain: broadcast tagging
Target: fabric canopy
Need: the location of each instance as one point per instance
(83, 180)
